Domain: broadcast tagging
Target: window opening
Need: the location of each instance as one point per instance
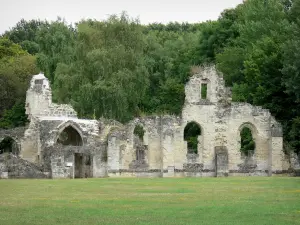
(247, 142)
(191, 133)
(70, 136)
(203, 91)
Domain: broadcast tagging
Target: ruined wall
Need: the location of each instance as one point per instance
(39, 100)
(258, 121)
(38, 96)
(61, 161)
(109, 148)
(221, 122)
(123, 144)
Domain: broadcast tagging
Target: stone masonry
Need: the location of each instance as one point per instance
(63, 146)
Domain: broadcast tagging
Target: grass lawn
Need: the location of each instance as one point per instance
(244, 200)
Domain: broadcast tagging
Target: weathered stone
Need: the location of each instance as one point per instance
(67, 147)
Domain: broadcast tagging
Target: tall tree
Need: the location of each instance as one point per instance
(108, 76)
(16, 69)
(56, 43)
(24, 33)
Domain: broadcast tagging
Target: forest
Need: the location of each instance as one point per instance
(119, 68)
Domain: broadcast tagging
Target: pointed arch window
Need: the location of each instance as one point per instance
(70, 136)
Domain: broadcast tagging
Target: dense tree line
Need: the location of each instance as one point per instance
(118, 68)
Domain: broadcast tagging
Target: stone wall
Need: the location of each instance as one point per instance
(12, 166)
(221, 122)
(109, 148)
(39, 100)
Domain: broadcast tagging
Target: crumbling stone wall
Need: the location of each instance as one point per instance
(122, 147)
(39, 100)
(221, 122)
(112, 148)
(12, 166)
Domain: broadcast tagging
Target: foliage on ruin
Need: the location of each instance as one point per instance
(139, 131)
(191, 133)
(247, 141)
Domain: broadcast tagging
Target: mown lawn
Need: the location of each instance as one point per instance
(248, 200)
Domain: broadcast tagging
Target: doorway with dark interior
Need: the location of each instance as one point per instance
(83, 165)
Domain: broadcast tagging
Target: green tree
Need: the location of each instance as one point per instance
(108, 75)
(56, 43)
(291, 80)
(253, 62)
(16, 69)
(24, 33)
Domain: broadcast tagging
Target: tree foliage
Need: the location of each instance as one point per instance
(16, 69)
(247, 142)
(24, 33)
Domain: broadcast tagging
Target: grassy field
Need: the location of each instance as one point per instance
(251, 200)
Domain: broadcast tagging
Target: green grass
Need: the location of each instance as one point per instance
(248, 200)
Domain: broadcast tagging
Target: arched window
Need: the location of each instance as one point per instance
(9, 145)
(70, 136)
(247, 142)
(191, 132)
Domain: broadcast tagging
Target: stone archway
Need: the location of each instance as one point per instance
(247, 147)
(191, 133)
(70, 136)
(193, 137)
(70, 139)
(9, 145)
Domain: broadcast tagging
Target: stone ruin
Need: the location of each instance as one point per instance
(57, 144)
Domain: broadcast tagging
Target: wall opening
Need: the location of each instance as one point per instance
(191, 132)
(203, 91)
(139, 159)
(139, 133)
(247, 142)
(9, 145)
(70, 136)
(38, 81)
(83, 165)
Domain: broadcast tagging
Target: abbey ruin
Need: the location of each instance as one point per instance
(60, 145)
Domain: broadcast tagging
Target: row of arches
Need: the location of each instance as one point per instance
(68, 136)
(192, 131)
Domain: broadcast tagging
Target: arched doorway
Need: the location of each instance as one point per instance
(9, 145)
(70, 136)
(247, 133)
(191, 133)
